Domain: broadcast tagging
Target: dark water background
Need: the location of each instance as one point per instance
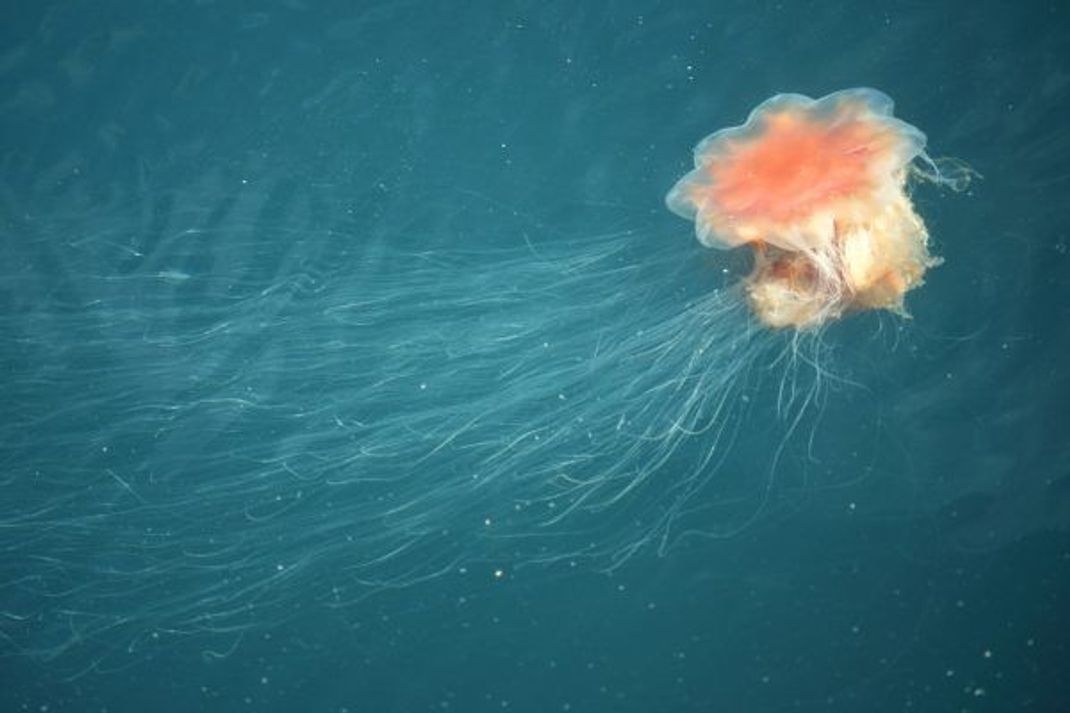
(920, 558)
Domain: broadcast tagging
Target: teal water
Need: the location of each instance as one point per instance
(352, 362)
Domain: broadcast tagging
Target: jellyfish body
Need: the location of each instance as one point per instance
(817, 188)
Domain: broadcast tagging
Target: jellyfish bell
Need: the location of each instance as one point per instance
(817, 189)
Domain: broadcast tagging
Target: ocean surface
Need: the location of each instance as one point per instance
(350, 361)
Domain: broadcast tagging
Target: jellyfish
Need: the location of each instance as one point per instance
(817, 190)
(301, 423)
